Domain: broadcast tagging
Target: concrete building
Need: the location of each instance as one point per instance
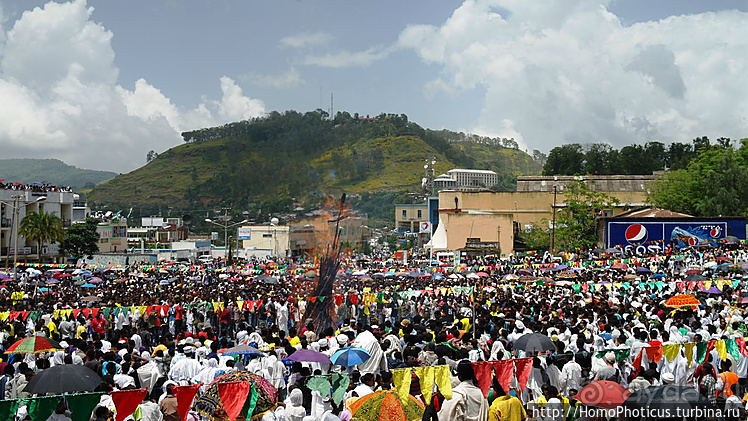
(408, 217)
(490, 221)
(112, 234)
(465, 180)
(603, 183)
(271, 240)
(58, 203)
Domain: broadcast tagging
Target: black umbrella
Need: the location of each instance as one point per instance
(534, 342)
(694, 277)
(659, 401)
(267, 279)
(64, 378)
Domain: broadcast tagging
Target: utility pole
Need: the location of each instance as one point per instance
(553, 227)
(428, 181)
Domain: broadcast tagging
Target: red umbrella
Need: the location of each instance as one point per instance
(693, 272)
(603, 394)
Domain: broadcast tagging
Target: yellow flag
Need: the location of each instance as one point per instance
(689, 352)
(721, 349)
(441, 377)
(670, 351)
(401, 379)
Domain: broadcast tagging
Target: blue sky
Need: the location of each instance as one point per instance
(98, 83)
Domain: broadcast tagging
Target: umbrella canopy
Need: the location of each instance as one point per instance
(241, 350)
(34, 345)
(350, 356)
(603, 394)
(310, 356)
(64, 378)
(620, 266)
(642, 269)
(695, 277)
(682, 300)
(88, 286)
(386, 405)
(267, 279)
(91, 298)
(534, 342)
(210, 405)
(668, 397)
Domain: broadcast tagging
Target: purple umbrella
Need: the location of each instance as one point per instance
(523, 272)
(4, 276)
(713, 290)
(310, 356)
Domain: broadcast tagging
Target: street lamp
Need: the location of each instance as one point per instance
(226, 227)
(14, 229)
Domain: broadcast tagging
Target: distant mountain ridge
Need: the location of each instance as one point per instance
(290, 155)
(53, 171)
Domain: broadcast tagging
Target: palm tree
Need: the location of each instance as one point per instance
(41, 227)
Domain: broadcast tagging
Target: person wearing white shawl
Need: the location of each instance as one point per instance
(393, 344)
(294, 409)
(274, 372)
(148, 373)
(498, 352)
(570, 377)
(58, 358)
(185, 369)
(207, 374)
(377, 361)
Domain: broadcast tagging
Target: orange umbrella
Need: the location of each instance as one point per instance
(386, 405)
(682, 300)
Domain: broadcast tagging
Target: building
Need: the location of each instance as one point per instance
(59, 203)
(408, 217)
(465, 180)
(267, 240)
(112, 232)
(603, 183)
(158, 230)
(489, 222)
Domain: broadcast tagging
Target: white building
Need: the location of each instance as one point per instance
(462, 179)
(271, 240)
(58, 203)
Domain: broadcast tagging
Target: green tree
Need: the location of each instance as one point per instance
(576, 222)
(565, 160)
(81, 239)
(42, 227)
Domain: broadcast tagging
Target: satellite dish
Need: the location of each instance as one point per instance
(186, 219)
(274, 221)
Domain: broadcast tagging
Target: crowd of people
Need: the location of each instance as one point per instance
(157, 326)
(39, 187)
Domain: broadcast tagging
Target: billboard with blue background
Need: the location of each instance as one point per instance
(657, 233)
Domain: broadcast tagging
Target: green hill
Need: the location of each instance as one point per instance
(52, 171)
(292, 156)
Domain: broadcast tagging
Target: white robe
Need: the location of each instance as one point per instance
(467, 404)
(378, 360)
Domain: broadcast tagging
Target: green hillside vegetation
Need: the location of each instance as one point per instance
(293, 156)
(51, 171)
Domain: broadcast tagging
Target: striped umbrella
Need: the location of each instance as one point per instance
(34, 345)
(386, 405)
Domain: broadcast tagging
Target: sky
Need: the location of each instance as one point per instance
(99, 83)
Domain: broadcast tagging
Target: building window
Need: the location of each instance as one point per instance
(405, 213)
(420, 214)
(267, 235)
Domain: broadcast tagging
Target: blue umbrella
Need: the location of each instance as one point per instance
(658, 276)
(350, 356)
(88, 286)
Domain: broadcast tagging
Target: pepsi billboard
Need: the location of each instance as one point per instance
(651, 234)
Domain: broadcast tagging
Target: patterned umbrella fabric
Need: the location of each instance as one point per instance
(682, 300)
(309, 355)
(34, 345)
(386, 406)
(603, 394)
(209, 404)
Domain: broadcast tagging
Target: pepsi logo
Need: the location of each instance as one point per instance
(692, 241)
(636, 233)
(715, 232)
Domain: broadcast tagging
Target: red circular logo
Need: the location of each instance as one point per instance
(714, 233)
(636, 233)
(692, 241)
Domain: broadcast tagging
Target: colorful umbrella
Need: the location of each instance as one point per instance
(34, 345)
(210, 405)
(682, 300)
(242, 349)
(350, 356)
(603, 394)
(386, 405)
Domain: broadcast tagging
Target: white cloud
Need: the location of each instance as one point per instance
(305, 40)
(560, 71)
(59, 96)
(349, 59)
(287, 80)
